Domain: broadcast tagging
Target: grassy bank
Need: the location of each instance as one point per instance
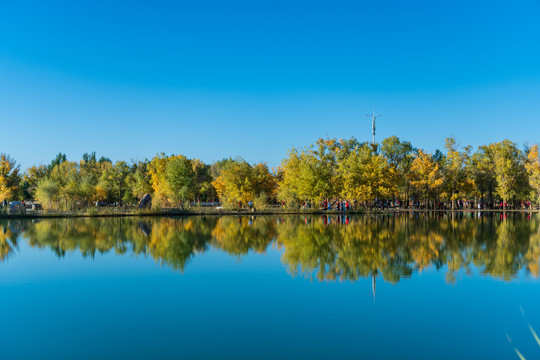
(218, 212)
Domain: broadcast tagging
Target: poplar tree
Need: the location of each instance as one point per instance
(9, 177)
(457, 183)
(533, 169)
(425, 175)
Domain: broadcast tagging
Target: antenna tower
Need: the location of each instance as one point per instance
(373, 118)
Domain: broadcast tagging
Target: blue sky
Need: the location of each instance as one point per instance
(212, 79)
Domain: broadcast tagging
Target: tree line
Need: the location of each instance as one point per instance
(329, 171)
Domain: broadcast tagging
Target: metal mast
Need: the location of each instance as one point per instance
(373, 117)
(374, 286)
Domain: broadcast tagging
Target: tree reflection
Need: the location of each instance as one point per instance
(9, 235)
(322, 247)
(240, 235)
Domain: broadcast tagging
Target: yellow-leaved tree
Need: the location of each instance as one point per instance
(157, 170)
(239, 182)
(425, 176)
(9, 177)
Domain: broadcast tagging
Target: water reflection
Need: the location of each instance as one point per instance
(320, 247)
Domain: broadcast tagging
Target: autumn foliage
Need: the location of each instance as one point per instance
(329, 170)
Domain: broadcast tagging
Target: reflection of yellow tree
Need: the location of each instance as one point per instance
(239, 235)
(169, 241)
(426, 249)
(309, 247)
(175, 241)
(8, 240)
(372, 245)
(322, 247)
(425, 175)
(532, 255)
(366, 246)
(86, 235)
(503, 252)
(394, 246)
(459, 234)
(425, 243)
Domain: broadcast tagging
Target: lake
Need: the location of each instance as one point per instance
(394, 286)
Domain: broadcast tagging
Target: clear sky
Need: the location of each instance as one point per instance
(212, 79)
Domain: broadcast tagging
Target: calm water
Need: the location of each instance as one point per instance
(407, 286)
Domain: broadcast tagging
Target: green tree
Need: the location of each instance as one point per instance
(313, 172)
(180, 180)
(482, 170)
(87, 190)
(457, 183)
(204, 190)
(367, 176)
(400, 155)
(113, 184)
(47, 192)
(60, 158)
(33, 175)
(139, 180)
(510, 171)
(66, 176)
(533, 169)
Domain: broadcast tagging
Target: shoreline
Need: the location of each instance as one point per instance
(215, 212)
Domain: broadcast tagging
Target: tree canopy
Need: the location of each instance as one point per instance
(329, 170)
